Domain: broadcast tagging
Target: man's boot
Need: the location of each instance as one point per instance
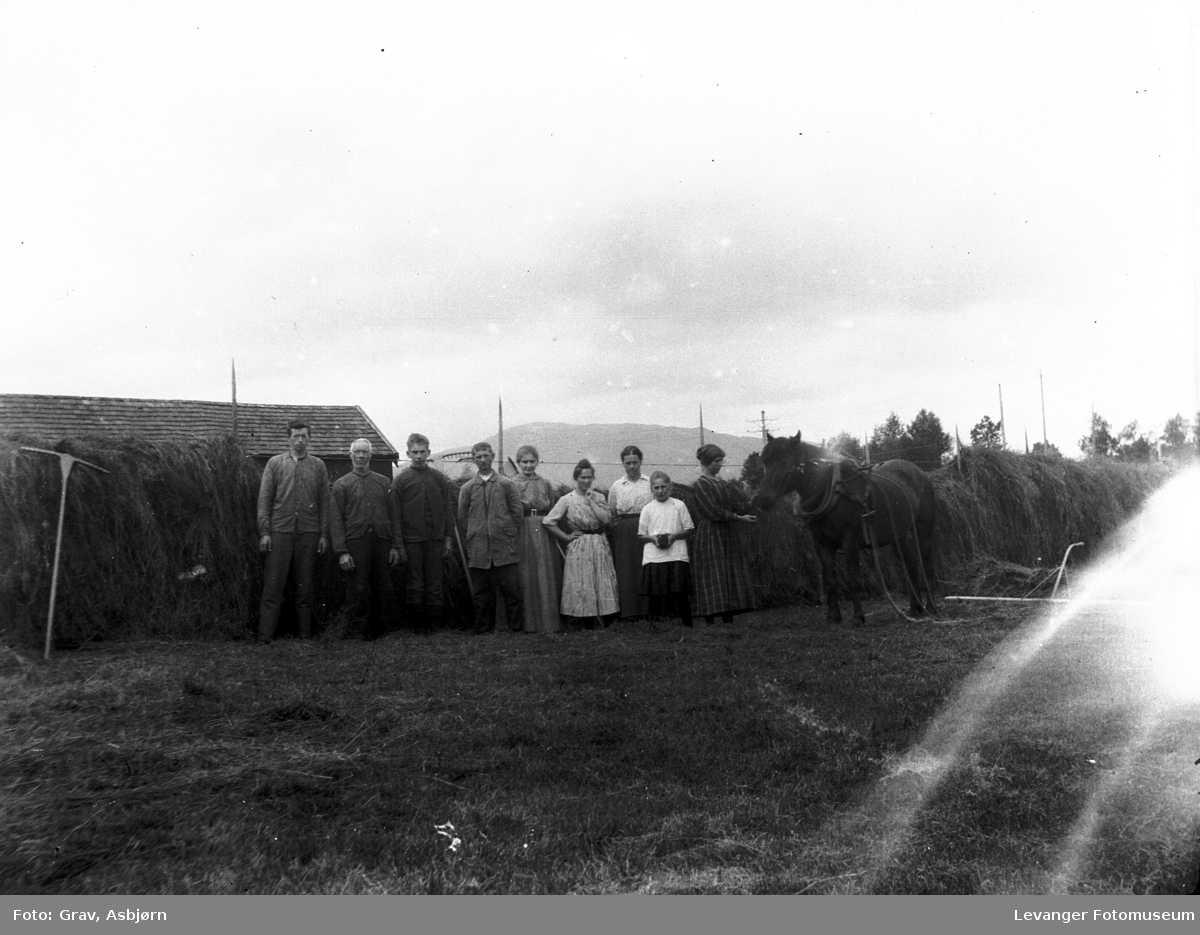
(433, 618)
(415, 615)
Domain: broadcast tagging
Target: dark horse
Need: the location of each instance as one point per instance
(849, 506)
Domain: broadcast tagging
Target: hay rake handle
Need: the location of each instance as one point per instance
(65, 463)
(1052, 599)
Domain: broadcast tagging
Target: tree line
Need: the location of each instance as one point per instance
(1177, 440)
(924, 442)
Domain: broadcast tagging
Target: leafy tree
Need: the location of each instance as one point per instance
(928, 441)
(890, 440)
(1174, 437)
(847, 445)
(1046, 450)
(753, 471)
(986, 434)
(1132, 445)
(1100, 441)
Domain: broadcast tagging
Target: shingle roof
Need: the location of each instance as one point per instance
(260, 427)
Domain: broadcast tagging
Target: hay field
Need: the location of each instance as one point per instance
(160, 752)
(774, 755)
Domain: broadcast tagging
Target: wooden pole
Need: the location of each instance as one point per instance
(702, 425)
(233, 379)
(1003, 431)
(65, 464)
(1042, 387)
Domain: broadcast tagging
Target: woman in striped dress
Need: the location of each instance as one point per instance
(720, 574)
(540, 563)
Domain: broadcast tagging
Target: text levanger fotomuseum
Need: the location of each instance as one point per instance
(1103, 915)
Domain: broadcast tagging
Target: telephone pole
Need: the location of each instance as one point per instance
(762, 423)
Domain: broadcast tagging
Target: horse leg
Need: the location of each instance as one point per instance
(908, 555)
(853, 549)
(926, 553)
(833, 613)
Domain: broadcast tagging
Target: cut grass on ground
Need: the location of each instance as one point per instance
(750, 758)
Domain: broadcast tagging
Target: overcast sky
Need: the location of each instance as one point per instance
(606, 212)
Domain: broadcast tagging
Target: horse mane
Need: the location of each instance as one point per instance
(797, 449)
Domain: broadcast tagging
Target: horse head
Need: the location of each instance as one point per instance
(787, 464)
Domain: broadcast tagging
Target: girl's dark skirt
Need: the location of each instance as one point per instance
(666, 578)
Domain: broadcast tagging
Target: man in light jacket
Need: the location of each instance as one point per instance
(293, 529)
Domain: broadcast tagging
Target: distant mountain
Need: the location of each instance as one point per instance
(666, 447)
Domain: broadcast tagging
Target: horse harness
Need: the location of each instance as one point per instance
(850, 480)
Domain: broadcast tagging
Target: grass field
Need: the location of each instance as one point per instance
(774, 755)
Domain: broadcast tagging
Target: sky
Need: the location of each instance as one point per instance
(824, 212)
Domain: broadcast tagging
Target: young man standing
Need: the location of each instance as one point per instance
(489, 510)
(366, 539)
(424, 503)
(293, 524)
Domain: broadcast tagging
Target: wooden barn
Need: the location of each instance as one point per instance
(261, 428)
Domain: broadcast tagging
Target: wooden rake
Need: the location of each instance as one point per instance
(65, 463)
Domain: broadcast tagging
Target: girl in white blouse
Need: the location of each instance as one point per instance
(664, 526)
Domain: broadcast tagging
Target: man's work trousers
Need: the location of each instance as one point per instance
(367, 586)
(484, 583)
(423, 572)
(295, 552)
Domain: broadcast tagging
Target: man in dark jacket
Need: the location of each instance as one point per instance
(489, 511)
(366, 539)
(425, 503)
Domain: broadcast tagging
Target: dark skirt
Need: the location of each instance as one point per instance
(662, 578)
(627, 560)
(723, 581)
(540, 571)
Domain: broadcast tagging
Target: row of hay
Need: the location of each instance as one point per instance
(132, 535)
(128, 536)
(1025, 510)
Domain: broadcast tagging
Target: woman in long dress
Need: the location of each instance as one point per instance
(540, 563)
(720, 574)
(626, 497)
(589, 582)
